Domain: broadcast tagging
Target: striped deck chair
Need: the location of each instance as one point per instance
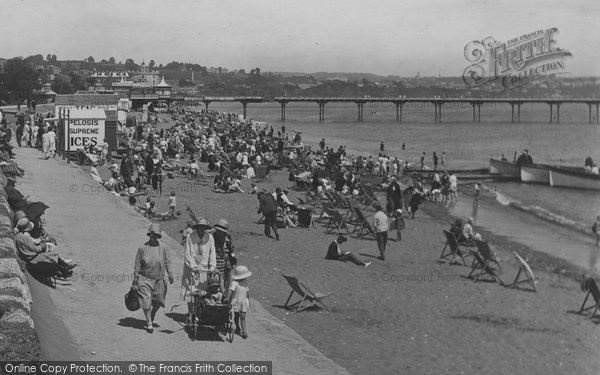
(525, 275)
(484, 249)
(351, 216)
(453, 248)
(306, 295)
(481, 268)
(589, 285)
(325, 206)
(364, 228)
(337, 199)
(336, 222)
(262, 173)
(369, 196)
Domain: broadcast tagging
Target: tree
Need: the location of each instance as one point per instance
(160, 66)
(151, 65)
(62, 84)
(36, 59)
(20, 77)
(48, 57)
(91, 60)
(130, 64)
(54, 58)
(77, 81)
(111, 60)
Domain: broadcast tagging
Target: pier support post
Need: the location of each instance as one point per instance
(479, 112)
(590, 113)
(519, 112)
(440, 105)
(512, 112)
(321, 110)
(597, 119)
(473, 105)
(399, 106)
(557, 113)
(360, 106)
(551, 111)
(244, 105)
(283, 104)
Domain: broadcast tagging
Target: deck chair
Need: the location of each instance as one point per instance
(325, 206)
(481, 267)
(524, 275)
(306, 295)
(336, 222)
(487, 253)
(305, 218)
(351, 216)
(262, 174)
(591, 287)
(363, 227)
(369, 196)
(337, 200)
(453, 248)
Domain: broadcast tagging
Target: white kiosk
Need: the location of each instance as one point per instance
(85, 127)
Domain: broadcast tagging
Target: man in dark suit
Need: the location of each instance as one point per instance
(268, 207)
(394, 194)
(335, 253)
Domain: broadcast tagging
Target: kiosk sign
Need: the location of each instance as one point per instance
(86, 128)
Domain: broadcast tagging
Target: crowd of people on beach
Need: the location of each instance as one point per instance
(235, 149)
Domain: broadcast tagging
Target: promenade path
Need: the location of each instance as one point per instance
(87, 320)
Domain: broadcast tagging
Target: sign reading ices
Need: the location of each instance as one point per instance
(514, 63)
(86, 127)
(84, 133)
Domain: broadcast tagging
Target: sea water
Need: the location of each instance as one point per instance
(469, 145)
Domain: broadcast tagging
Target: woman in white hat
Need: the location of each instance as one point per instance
(200, 258)
(151, 262)
(240, 298)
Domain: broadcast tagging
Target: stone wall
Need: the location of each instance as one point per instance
(18, 339)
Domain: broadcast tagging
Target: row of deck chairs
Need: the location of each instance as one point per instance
(485, 264)
(344, 215)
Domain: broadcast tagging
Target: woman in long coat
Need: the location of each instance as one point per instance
(152, 264)
(200, 258)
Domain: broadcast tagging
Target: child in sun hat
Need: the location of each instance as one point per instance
(399, 224)
(239, 294)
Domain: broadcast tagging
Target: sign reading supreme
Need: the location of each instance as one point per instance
(84, 133)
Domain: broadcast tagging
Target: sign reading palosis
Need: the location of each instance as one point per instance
(86, 128)
(515, 63)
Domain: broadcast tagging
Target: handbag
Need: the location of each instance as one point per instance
(132, 300)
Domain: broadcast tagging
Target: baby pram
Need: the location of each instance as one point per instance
(207, 313)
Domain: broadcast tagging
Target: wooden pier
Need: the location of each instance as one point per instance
(554, 104)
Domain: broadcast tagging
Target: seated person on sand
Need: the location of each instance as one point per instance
(468, 235)
(39, 254)
(235, 185)
(250, 174)
(335, 253)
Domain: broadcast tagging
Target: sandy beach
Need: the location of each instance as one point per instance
(411, 313)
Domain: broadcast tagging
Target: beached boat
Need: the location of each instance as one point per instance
(572, 178)
(536, 173)
(504, 168)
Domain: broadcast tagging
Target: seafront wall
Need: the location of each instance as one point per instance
(18, 338)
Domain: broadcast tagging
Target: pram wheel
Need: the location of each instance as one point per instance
(191, 326)
(230, 327)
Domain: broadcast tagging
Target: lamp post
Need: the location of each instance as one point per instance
(68, 136)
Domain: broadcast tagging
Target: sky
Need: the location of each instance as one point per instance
(387, 37)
